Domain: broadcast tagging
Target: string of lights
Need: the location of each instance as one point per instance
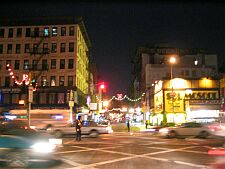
(119, 98)
(26, 80)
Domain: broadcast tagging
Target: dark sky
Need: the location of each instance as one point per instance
(116, 29)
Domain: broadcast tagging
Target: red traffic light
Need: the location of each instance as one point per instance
(102, 87)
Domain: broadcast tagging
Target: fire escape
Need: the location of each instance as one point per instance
(38, 51)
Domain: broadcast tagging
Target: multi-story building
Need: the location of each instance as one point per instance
(52, 54)
(151, 64)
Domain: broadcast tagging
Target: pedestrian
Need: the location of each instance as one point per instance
(146, 124)
(128, 125)
(78, 129)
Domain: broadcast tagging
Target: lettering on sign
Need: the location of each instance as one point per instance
(202, 96)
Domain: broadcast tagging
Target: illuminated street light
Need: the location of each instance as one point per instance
(172, 61)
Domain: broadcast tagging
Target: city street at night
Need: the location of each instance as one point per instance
(138, 150)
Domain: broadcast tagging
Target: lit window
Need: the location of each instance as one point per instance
(46, 32)
(53, 81)
(54, 31)
(43, 81)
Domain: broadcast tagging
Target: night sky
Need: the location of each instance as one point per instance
(116, 29)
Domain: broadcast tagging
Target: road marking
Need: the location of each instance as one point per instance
(130, 156)
(190, 151)
(191, 164)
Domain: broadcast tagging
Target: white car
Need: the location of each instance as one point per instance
(186, 129)
(88, 128)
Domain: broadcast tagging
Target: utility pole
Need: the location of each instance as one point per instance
(30, 100)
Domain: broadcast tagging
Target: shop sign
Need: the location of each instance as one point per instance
(174, 102)
(202, 95)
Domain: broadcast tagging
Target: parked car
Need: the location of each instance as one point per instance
(20, 145)
(186, 129)
(88, 128)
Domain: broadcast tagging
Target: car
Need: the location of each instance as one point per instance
(186, 129)
(21, 146)
(155, 129)
(89, 127)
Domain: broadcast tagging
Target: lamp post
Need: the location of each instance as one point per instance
(172, 60)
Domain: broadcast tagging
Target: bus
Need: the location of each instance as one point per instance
(43, 118)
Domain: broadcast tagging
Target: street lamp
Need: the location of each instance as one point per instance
(172, 60)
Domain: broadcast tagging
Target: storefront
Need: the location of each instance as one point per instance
(188, 100)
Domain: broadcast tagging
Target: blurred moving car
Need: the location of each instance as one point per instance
(186, 129)
(155, 129)
(90, 128)
(21, 145)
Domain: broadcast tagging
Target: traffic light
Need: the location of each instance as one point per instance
(102, 87)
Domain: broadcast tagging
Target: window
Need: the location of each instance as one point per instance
(53, 63)
(45, 48)
(27, 48)
(26, 64)
(7, 81)
(52, 98)
(62, 63)
(54, 48)
(35, 65)
(10, 33)
(71, 47)
(17, 65)
(44, 64)
(70, 80)
(18, 46)
(28, 31)
(70, 64)
(46, 31)
(61, 80)
(9, 49)
(63, 31)
(54, 31)
(61, 98)
(43, 81)
(52, 81)
(35, 47)
(71, 30)
(63, 47)
(1, 48)
(2, 32)
(36, 32)
(19, 32)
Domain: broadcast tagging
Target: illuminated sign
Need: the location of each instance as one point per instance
(174, 103)
(202, 95)
(158, 102)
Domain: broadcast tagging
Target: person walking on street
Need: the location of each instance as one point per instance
(128, 125)
(78, 129)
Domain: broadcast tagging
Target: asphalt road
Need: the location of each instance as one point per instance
(138, 151)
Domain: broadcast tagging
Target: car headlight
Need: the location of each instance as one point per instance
(164, 130)
(43, 147)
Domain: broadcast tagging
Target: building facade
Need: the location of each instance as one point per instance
(52, 54)
(152, 64)
(188, 100)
